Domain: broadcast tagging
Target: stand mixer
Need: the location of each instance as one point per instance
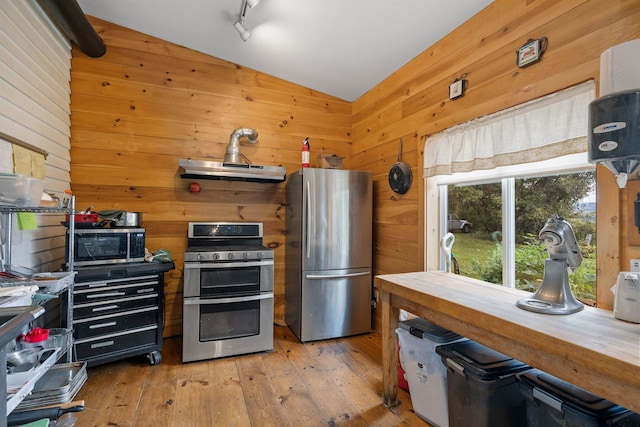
(554, 295)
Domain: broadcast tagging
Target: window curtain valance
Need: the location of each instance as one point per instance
(548, 127)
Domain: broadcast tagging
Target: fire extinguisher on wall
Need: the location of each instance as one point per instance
(305, 153)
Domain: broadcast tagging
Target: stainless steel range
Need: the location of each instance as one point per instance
(228, 291)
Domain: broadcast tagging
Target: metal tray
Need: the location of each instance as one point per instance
(59, 385)
(19, 385)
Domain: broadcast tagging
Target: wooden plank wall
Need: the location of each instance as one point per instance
(413, 103)
(34, 113)
(146, 104)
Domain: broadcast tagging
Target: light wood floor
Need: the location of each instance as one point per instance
(325, 383)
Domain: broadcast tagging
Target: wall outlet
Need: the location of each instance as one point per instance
(635, 265)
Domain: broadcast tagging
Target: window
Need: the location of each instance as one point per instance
(490, 247)
(511, 170)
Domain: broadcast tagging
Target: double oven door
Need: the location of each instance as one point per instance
(227, 309)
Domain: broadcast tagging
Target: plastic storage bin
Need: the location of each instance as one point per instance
(20, 190)
(402, 377)
(551, 402)
(424, 372)
(482, 387)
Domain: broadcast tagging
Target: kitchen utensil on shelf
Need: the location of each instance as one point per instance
(20, 357)
(400, 174)
(17, 272)
(53, 413)
(122, 218)
(34, 338)
(85, 225)
(23, 367)
(83, 218)
(45, 354)
(130, 219)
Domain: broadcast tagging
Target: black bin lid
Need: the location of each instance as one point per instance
(424, 329)
(571, 395)
(480, 361)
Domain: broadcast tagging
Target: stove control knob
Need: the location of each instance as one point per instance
(231, 256)
(200, 257)
(216, 255)
(245, 255)
(259, 254)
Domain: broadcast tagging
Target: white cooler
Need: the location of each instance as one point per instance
(424, 371)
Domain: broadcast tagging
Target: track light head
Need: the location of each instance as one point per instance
(244, 33)
(239, 24)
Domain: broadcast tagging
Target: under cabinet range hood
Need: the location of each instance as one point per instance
(236, 166)
(231, 171)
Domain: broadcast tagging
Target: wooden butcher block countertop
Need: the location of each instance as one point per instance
(590, 349)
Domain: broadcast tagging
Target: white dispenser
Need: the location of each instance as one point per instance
(626, 304)
(614, 140)
(620, 67)
(614, 118)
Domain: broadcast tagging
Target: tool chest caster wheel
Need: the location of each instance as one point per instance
(154, 358)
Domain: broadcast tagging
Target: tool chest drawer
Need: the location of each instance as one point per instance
(107, 290)
(116, 305)
(101, 325)
(116, 346)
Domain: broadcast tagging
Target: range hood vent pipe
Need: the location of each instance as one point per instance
(233, 149)
(71, 21)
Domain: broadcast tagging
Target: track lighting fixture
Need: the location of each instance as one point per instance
(239, 24)
(244, 33)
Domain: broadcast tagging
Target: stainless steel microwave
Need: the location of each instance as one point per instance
(107, 246)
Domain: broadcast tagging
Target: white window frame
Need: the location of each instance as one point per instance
(436, 191)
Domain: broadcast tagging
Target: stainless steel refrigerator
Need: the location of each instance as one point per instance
(328, 276)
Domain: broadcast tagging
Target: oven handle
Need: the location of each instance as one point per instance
(334, 276)
(211, 265)
(203, 301)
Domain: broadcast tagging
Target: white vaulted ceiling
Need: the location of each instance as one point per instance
(339, 47)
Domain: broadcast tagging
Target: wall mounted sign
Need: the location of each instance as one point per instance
(531, 52)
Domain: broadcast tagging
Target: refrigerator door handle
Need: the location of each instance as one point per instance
(334, 276)
(308, 219)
